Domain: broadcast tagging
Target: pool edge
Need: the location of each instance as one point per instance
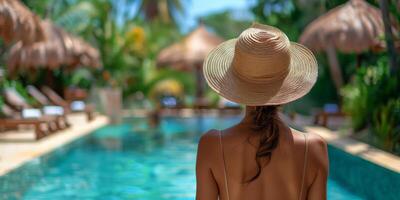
(357, 148)
(50, 143)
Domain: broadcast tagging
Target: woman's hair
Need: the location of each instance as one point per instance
(266, 123)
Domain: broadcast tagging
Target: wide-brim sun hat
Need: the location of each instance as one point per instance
(261, 67)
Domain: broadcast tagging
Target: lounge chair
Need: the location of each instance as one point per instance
(329, 111)
(12, 120)
(13, 98)
(75, 106)
(47, 106)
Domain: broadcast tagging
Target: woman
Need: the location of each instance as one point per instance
(261, 157)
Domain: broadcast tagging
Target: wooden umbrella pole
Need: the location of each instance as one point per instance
(359, 60)
(335, 70)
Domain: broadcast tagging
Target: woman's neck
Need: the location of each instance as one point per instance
(248, 118)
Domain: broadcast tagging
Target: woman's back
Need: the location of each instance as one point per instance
(261, 158)
(233, 150)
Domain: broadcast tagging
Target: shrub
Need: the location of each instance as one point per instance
(372, 100)
(386, 124)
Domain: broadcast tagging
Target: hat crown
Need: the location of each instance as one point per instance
(262, 54)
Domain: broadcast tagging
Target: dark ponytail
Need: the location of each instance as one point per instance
(266, 122)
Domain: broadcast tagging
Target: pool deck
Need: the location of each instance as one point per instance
(354, 147)
(18, 147)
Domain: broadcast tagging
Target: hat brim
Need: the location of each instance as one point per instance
(302, 75)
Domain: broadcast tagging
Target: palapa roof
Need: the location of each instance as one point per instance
(352, 27)
(58, 49)
(18, 23)
(190, 51)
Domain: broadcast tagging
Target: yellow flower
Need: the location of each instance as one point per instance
(137, 36)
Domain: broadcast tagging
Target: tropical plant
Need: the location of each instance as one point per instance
(163, 10)
(225, 25)
(127, 46)
(370, 87)
(386, 124)
(372, 100)
(81, 78)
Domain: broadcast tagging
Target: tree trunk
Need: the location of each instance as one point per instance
(150, 10)
(388, 35)
(334, 68)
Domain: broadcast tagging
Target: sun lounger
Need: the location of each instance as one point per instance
(13, 98)
(12, 120)
(329, 111)
(75, 106)
(47, 106)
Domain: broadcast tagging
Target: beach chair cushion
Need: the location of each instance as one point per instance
(331, 108)
(53, 110)
(78, 105)
(31, 113)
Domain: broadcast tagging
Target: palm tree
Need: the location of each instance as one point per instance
(161, 9)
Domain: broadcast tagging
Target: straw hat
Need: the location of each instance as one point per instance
(261, 67)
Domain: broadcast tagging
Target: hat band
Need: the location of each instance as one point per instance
(266, 79)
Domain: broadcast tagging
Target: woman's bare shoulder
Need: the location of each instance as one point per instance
(207, 147)
(317, 146)
(209, 136)
(209, 139)
(314, 140)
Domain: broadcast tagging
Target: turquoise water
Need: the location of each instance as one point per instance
(127, 161)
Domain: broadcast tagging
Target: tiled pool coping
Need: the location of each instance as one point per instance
(357, 148)
(14, 153)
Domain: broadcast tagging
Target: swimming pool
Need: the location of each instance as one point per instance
(130, 161)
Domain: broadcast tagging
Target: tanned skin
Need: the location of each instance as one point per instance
(279, 179)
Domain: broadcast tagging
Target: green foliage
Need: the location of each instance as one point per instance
(225, 25)
(1, 107)
(386, 124)
(128, 46)
(20, 88)
(81, 78)
(372, 99)
(292, 17)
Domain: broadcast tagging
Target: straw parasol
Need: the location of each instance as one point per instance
(58, 49)
(191, 51)
(352, 27)
(79, 52)
(17, 22)
(188, 55)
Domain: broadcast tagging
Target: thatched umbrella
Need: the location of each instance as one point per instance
(48, 53)
(188, 54)
(191, 51)
(58, 49)
(79, 53)
(17, 22)
(352, 27)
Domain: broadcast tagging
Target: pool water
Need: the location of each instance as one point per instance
(127, 161)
